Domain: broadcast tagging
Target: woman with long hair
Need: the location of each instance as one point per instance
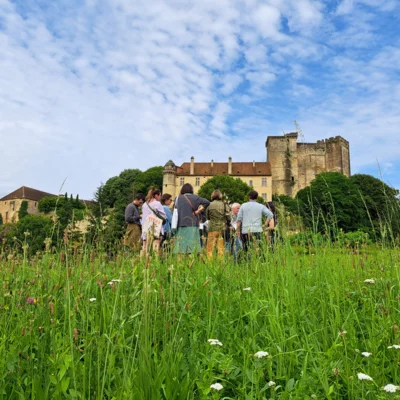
(189, 206)
(152, 210)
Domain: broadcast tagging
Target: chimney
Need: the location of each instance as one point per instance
(192, 165)
(254, 163)
(230, 165)
(212, 163)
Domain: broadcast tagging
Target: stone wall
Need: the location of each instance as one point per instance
(9, 209)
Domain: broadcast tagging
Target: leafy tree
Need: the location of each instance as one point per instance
(234, 189)
(151, 177)
(332, 202)
(38, 228)
(381, 201)
(23, 210)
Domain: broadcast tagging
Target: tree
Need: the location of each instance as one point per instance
(151, 177)
(234, 189)
(381, 202)
(33, 229)
(23, 210)
(332, 202)
(1, 219)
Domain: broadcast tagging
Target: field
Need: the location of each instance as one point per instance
(92, 326)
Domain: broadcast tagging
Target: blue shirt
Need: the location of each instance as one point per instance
(168, 222)
(250, 215)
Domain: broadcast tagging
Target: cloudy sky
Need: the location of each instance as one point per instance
(89, 88)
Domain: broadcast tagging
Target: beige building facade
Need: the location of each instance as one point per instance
(290, 166)
(10, 204)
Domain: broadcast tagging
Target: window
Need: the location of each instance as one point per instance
(197, 181)
(251, 183)
(12, 205)
(35, 204)
(264, 182)
(182, 181)
(264, 196)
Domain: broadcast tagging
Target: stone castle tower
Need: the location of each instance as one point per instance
(294, 165)
(169, 178)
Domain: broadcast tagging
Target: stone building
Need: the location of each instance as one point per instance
(294, 165)
(290, 166)
(10, 204)
(255, 174)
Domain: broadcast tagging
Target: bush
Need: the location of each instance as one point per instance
(23, 210)
(356, 239)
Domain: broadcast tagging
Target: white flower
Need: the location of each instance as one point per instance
(271, 383)
(369, 281)
(261, 354)
(116, 280)
(216, 386)
(214, 342)
(364, 377)
(342, 333)
(366, 354)
(395, 346)
(390, 388)
(247, 289)
(92, 299)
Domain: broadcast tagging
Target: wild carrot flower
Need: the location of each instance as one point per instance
(92, 299)
(271, 383)
(366, 354)
(364, 377)
(216, 386)
(390, 388)
(247, 289)
(395, 346)
(214, 342)
(369, 281)
(261, 354)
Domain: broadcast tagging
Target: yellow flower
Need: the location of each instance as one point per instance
(6, 307)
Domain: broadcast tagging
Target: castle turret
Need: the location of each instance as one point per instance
(282, 156)
(169, 178)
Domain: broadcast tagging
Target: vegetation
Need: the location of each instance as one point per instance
(23, 210)
(233, 189)
(91, 326)
(1, 219)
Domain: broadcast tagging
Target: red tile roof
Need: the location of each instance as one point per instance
(26, 193)
(238, 169)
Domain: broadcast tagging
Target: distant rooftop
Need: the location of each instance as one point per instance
(27, 193)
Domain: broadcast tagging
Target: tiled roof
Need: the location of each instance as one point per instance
(26, 193)
(238, 169)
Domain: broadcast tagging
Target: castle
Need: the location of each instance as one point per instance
(290, 166)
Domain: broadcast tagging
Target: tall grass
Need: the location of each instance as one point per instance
(146, 337)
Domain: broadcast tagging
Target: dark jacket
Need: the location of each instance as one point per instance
(185, 210)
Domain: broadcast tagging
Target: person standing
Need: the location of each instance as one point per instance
(166, 200)
(132, 217)
(189, 206)
(271, 227)
(219, 217)
(235, 242)
(249, 220)
(152, 206)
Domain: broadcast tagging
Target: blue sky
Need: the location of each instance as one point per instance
(89, 88)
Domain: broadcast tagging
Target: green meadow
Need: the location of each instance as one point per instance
(89, 325)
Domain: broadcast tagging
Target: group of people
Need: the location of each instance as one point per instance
(194, 222)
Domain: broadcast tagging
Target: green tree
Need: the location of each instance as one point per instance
(1, 219)
(151, 177)
(331, 203)
(33, 230)
(235, 190)
(23, 210)
(381, 201)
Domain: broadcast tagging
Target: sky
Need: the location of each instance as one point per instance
(89, 88)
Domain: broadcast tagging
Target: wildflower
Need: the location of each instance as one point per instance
(92, 299)
(216, 386)
(342, 333)
(364, 377)
(246, 289)
(369, 281)
(390, 388)
(6, 307)
(271, 383)
(336, 371)
(31, 300)
(261, 354)
(214, 342)
(395, 346)
(116, 280)
(366, 354)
